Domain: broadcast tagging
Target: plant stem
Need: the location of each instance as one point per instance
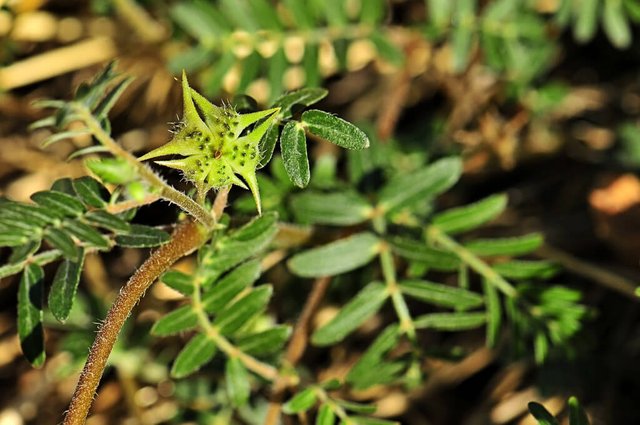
(187, 237)
(436, 235)
(166, 192)
(399, 304)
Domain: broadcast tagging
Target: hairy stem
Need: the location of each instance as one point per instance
(399, 304)
(187, 237)
(165, 191)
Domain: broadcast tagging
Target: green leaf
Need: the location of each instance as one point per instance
(470, 216)
(12, 239)
(301, 402)
(364, 305)
(541, 414)
(419, 251)
(525, 269)
(616, 25)
(334, 129)
(139, 236)
(293, 145)
(277, 66)
(22, 253)
(310, 65)
(237, 379)
(30, 330)
(586, 20)
(198, 352)
(243, 243)
(450, 321)
(59, 203)
(233, 317)
(90, 191)
(63, 289)
(231, 285)
(336, 257)
(300, 12)
(519, 245)
(27, 214)
(181, 319)
(10, 269)
(267, 145)
(387, 50)
(179, 281)
(439, 294)
(86, 234)
(577, 415)
(200, 19)
(111, 97)
(366, 369)
(266, 342)
(362, 420)
(336, 208)
(494, 312)
(364, 409)
(462, 34)
(439, 12)
(408, 189)
(325, 415)
(303, 97)
(107, 221)
(60, 239)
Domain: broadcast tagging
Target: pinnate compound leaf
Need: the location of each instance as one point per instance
(450, 321)
(407, 189)
(140, 236)
(59, 203)
(293, 145)
(334, 129)
(336, 208)
(90, 191)
(519, 245)
(237, 379)
(266, 342)
(577, 415)
(181, 319)
(364, 305)
(470, 216)
(301, 402)
(541, 414)
(336, 257)
(198, 352)
(325, 415)
(30, 314)
(63, 289)
(442, 295)
(230, 285)
(232, 318)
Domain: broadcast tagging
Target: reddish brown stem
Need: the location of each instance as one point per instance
(186, 238)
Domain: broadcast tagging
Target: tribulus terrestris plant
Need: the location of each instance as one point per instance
(375, 234)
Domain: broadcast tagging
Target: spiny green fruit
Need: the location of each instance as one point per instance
(214, 151)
